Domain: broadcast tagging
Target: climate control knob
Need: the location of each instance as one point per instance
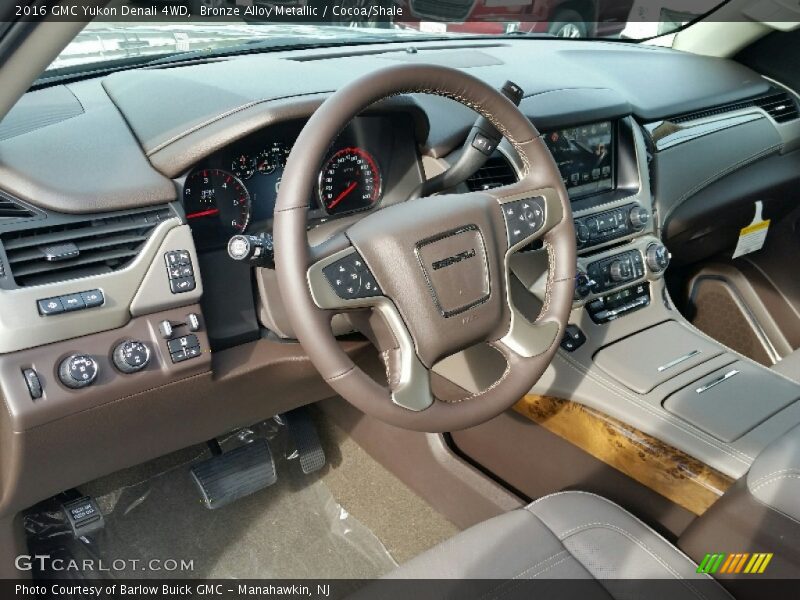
(657, 257)
(77, 371)
(131, 356)
(617, 271)
(582, 232)
(639, 217)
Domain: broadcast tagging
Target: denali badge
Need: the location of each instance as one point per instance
(451, 260)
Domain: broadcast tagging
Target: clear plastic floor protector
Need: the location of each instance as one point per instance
(154, 516)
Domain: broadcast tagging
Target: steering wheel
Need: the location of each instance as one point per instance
(435, 268)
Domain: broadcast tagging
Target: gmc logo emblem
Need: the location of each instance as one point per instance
(451, 260)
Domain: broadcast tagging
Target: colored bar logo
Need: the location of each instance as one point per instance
(742, 562)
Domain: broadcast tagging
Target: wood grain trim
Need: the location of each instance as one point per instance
(670, 472)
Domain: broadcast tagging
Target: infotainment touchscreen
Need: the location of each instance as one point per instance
(585, 157)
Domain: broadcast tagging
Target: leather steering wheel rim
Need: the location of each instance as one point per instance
(404, 248)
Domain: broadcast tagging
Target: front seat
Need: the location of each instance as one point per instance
(569, 535)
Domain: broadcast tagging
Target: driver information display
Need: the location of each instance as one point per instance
(584, 156)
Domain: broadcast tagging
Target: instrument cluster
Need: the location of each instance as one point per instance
(235, 190)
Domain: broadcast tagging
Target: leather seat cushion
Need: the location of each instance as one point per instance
(569, 535)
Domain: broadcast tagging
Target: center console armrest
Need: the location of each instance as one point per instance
(759, 515)
(774, 478)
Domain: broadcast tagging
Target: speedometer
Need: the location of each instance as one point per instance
(349, 181)
(218, 199)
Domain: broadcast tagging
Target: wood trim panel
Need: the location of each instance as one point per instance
(670, 472)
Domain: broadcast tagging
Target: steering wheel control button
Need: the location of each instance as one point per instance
(483, 143)
(72, 302)
(573, 338)
(523, 219)
(78, 371)
(131, 356)
(33, 383)
(351, 278)
(93, 298)
(183, 348)
(180, 271)
(50, 306)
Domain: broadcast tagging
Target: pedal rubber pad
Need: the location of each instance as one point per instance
(304, 435)
(235, 474)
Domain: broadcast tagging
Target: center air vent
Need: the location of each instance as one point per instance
(80, 248)
(495, 172)
(11, 210)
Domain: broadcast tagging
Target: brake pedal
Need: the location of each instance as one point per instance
(227, 477)
(304, 435)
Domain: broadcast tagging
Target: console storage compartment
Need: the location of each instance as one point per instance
(732, 400)
(649, 358)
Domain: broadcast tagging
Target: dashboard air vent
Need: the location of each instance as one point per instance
(495, 172)
(778, 103)
(11, 210)
(80, 248)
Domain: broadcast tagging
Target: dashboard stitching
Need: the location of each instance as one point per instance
(118, 400)
(719, 175)
(566, 89)
(224, 115)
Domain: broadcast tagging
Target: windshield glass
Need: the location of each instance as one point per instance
(248, 26)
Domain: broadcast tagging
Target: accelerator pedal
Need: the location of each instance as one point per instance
(306, 440)
(227, 477)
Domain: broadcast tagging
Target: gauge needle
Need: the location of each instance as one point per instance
(203, 213)
(343, 195)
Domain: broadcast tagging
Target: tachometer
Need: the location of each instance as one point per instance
(214, 196)
(350, 180)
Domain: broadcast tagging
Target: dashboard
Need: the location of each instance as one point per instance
(235, 190)
(136, 167)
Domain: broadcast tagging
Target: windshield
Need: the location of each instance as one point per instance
(250, 25)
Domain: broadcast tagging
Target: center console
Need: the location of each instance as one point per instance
(603, 167)
(628, 353)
